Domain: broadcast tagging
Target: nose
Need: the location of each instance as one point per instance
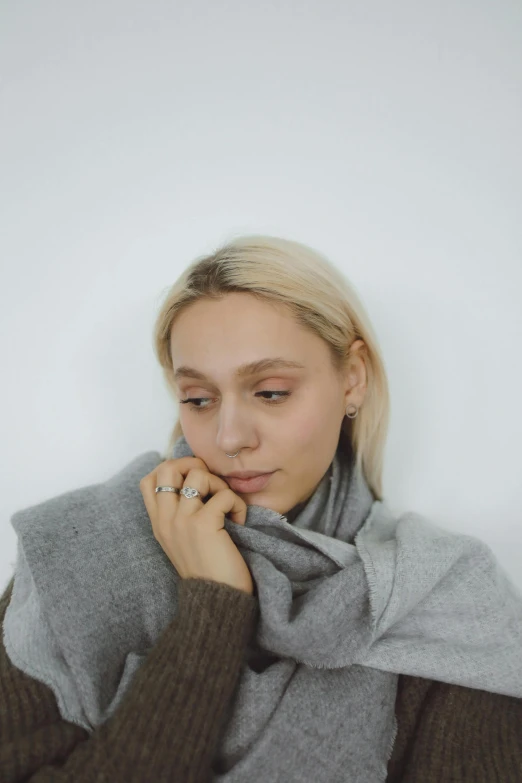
(236, 428)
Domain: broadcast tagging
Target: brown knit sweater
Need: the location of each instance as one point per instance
(168, 724)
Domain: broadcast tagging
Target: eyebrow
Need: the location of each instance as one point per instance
(244, 370)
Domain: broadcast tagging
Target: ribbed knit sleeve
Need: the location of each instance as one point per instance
(454, 734)
(166, 727)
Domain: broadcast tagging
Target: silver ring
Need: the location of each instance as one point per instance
(189, 492)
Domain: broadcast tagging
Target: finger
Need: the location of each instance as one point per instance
(206, 483)
(226, 503)
(209, 484)
(188, 472)
(165, 474)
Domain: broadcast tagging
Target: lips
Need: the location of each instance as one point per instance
(254, 484)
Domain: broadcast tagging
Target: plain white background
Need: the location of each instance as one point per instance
(136, 136)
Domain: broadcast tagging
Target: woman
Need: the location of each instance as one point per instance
(294, 658)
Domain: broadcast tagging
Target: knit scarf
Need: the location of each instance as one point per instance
(350, 595)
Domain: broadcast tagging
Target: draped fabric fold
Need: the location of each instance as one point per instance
(350, 596)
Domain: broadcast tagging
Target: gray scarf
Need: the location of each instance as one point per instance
(350, 595)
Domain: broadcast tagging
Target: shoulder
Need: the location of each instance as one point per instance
(59, 511)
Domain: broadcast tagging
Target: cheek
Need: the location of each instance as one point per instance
(312, 429)
(303, 429)
(194, 435)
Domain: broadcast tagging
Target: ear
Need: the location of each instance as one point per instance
(356, 379)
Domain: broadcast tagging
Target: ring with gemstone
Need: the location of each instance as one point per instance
(190, 492)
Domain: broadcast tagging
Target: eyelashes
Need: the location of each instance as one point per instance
(192, 400)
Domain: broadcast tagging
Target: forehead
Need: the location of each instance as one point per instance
(219, 337)
(233, 320)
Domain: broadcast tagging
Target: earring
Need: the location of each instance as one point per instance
(353, 414)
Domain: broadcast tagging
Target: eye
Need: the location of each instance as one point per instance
(192, 401)
(281, 393)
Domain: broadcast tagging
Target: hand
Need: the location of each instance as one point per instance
(192, 533)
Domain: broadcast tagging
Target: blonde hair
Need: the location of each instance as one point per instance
(320, 298)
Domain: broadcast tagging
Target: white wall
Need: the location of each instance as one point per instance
(135, 136)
